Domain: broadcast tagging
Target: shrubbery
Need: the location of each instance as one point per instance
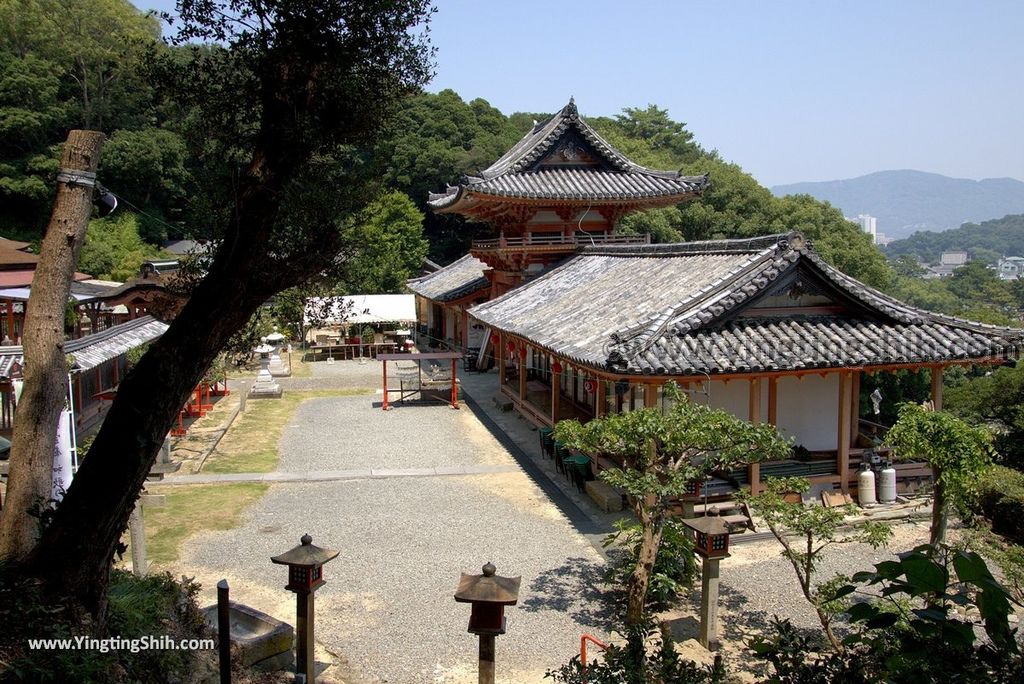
(1001, 502)
(151, 606)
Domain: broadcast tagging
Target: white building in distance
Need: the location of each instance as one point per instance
(868, 224)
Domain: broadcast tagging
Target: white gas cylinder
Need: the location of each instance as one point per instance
(866, 486)
(887, 484)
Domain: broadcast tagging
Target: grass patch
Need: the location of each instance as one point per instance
(195, 508)
(250, 445)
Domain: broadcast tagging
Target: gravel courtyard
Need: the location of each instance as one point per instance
(387, 608)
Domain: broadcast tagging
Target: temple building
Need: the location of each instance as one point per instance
(762, 328)
(584, 322)
(560, 187)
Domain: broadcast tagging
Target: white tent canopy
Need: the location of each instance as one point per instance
(362, 309)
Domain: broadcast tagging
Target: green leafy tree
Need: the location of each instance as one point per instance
(662, 454)
(389, 247)
(149, 168)
(958, 454)
(913, 632)
(292, 99)
(113, 249)
(805, 532)
(995, 399)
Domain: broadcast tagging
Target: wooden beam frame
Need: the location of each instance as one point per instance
(754, 416)
(843, 433)
(937, 387)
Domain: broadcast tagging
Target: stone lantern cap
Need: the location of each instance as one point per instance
(264, 349)
(274, 337)
(488, 588)
(306, 555)
(711, 524)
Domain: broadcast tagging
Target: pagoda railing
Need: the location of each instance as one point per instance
(544, 239)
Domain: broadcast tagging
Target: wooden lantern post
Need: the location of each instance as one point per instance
(305, 575)
(711, 542)
(489, 594)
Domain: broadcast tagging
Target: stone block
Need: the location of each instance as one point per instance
(605, 496)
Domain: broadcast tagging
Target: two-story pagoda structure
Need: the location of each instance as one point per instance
(586, 322)
(560, 187)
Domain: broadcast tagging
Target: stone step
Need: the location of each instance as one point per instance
(607, 498)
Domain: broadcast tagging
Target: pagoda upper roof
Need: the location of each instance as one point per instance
(564, 160)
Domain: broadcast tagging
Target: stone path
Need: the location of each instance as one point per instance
(334, 475)
(411, 498)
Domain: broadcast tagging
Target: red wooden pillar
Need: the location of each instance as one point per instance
(384, 364)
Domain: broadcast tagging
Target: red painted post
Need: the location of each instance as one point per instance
(385, 366)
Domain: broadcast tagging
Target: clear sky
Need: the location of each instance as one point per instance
(790, 90)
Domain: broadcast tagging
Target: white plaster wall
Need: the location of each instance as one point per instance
(808, 410)
(732, 396)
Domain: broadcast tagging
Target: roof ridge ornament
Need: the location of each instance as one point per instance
(570, 109)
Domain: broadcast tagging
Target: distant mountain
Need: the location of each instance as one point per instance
(907, 201)
(985, 242)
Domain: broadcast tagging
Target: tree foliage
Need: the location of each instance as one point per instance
(958, 454)
(292, 101)
(388, 246)
(995, 399)
(113, 249)
(805, 532)
(663, 453)
(998, 237)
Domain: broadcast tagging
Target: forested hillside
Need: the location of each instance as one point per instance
(985, 242)
(89, 64)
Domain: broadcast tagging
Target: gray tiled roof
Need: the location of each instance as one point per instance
(687, 309)
(92, 350)
(456, 280)
(516, 174)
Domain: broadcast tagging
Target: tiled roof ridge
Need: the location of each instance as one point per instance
(439, 273)
(72, 346)
(905, 313)
(539, 140)
(730, 246)
(780, 252)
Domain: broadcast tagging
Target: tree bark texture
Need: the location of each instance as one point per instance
(45, 368)
(940, 514)
(640, 579)
(75, 552)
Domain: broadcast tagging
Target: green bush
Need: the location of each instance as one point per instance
(1001, 501)
(643, 659)
(674, 567)
(153, 606)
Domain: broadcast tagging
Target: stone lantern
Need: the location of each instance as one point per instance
(711, 543)
(305, 575)
(264, 385)
(276, 366)
(488, 594)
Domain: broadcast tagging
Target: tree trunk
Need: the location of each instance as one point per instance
(940, 513)
(650, 541)
(46, 371)
(76, 550)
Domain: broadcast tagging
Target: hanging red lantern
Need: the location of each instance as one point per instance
(511, 346)
(556, 367)
(590, 386)
(522, 352)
